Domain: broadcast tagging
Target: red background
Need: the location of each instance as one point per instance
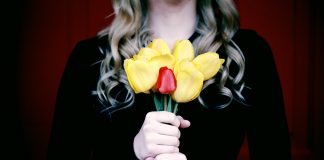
(47, 31)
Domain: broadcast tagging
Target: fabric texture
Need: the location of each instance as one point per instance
(81, 131)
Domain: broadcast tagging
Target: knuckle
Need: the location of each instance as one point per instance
(149, 115)
(173, 117)
(182, 156)
(147, 128)
(151, 149)
(178, 133)
(175, 149)
(177, 143)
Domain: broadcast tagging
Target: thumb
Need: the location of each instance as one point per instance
(183, 122)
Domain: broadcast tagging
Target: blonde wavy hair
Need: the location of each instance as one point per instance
(217, 22)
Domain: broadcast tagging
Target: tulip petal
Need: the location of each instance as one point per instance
(166, 60)
(189, 85)
(183, 49)
(208, 64)
(160, 45)
(146, 54)
(182, 65)
(166, 82)
(140, 75)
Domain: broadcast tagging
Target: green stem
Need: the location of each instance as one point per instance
(157, 103)
(169, 109)
(175, 109)
(165, 101)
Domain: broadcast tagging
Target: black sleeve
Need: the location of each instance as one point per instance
(267, 129)
(72, 123)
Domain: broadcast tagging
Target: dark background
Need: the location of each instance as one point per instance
(37, 37)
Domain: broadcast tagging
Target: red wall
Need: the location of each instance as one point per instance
(51, 28)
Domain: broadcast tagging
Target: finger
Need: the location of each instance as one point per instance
(183, 122)
(159, 149)
(166, 129)
(166, 140)
(163, 117)
(161, 128)
(149, 158)
(173, 156)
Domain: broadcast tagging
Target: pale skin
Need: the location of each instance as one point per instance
(172, 19)
(158, 138)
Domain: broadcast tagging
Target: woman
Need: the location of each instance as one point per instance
(98, 116)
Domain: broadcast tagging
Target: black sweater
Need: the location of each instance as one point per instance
(80, 131)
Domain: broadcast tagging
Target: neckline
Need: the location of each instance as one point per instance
(193, 36)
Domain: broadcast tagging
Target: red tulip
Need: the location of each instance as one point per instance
(166, 82)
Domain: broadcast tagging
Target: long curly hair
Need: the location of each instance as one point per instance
(217, 22)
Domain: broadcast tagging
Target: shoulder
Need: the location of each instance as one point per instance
(90, 50)
(247, 37)
(93, 42)
(252, 44)
(257, 54)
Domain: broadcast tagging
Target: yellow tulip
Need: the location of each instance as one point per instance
(166, 60)
(160, 45)
(208, 64)
(183, 64)
(140, 75)
(189, 82)
(146, 54)
(142, 69)
(183, 49)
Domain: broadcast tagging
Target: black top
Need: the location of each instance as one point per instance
(80, 132)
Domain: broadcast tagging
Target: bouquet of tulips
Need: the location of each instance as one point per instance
(171, 77)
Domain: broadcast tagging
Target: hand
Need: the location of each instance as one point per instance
(159, 134)
(169, 156)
